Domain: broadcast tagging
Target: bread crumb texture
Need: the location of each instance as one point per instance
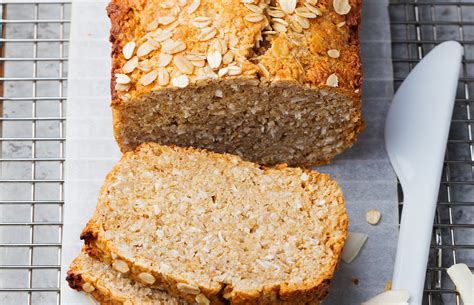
(205, 226)
(239, 76)
(111, 287)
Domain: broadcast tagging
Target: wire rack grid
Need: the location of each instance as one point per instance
(33, 62)
(33, 71)
(418, 26)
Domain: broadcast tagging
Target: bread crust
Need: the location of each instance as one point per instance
(310, 70)
(309, 292)
(126, 15)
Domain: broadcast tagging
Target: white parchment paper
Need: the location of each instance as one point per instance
(363, 172)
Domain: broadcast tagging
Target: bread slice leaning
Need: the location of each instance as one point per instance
(108, 286)
(211, 228)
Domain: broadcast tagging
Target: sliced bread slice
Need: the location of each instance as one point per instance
(211, 227)
(108, 286)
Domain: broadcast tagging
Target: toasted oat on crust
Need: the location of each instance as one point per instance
(110, 287)
(274, 81)
(210, 226)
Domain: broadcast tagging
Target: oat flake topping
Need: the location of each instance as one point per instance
(163, 58)
(342, 7)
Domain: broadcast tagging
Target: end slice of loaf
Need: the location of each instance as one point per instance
(211, 227)
(109, 286)
(272, 84)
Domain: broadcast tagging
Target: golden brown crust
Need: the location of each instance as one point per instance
(119, 16)
(130, 17)
(74, 280)
(308, 292)
(325, 35)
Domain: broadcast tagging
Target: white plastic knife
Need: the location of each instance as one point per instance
(416, 133)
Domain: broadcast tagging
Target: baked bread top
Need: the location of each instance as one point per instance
(200, 223)
(174, 43)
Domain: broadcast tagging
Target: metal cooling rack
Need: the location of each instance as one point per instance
(417, 26)
(33, 66)
(33, 60)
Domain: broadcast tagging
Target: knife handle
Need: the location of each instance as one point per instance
(414, 241)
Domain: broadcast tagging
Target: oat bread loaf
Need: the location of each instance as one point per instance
(274, 81)
(210, 227)
(110, 287)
